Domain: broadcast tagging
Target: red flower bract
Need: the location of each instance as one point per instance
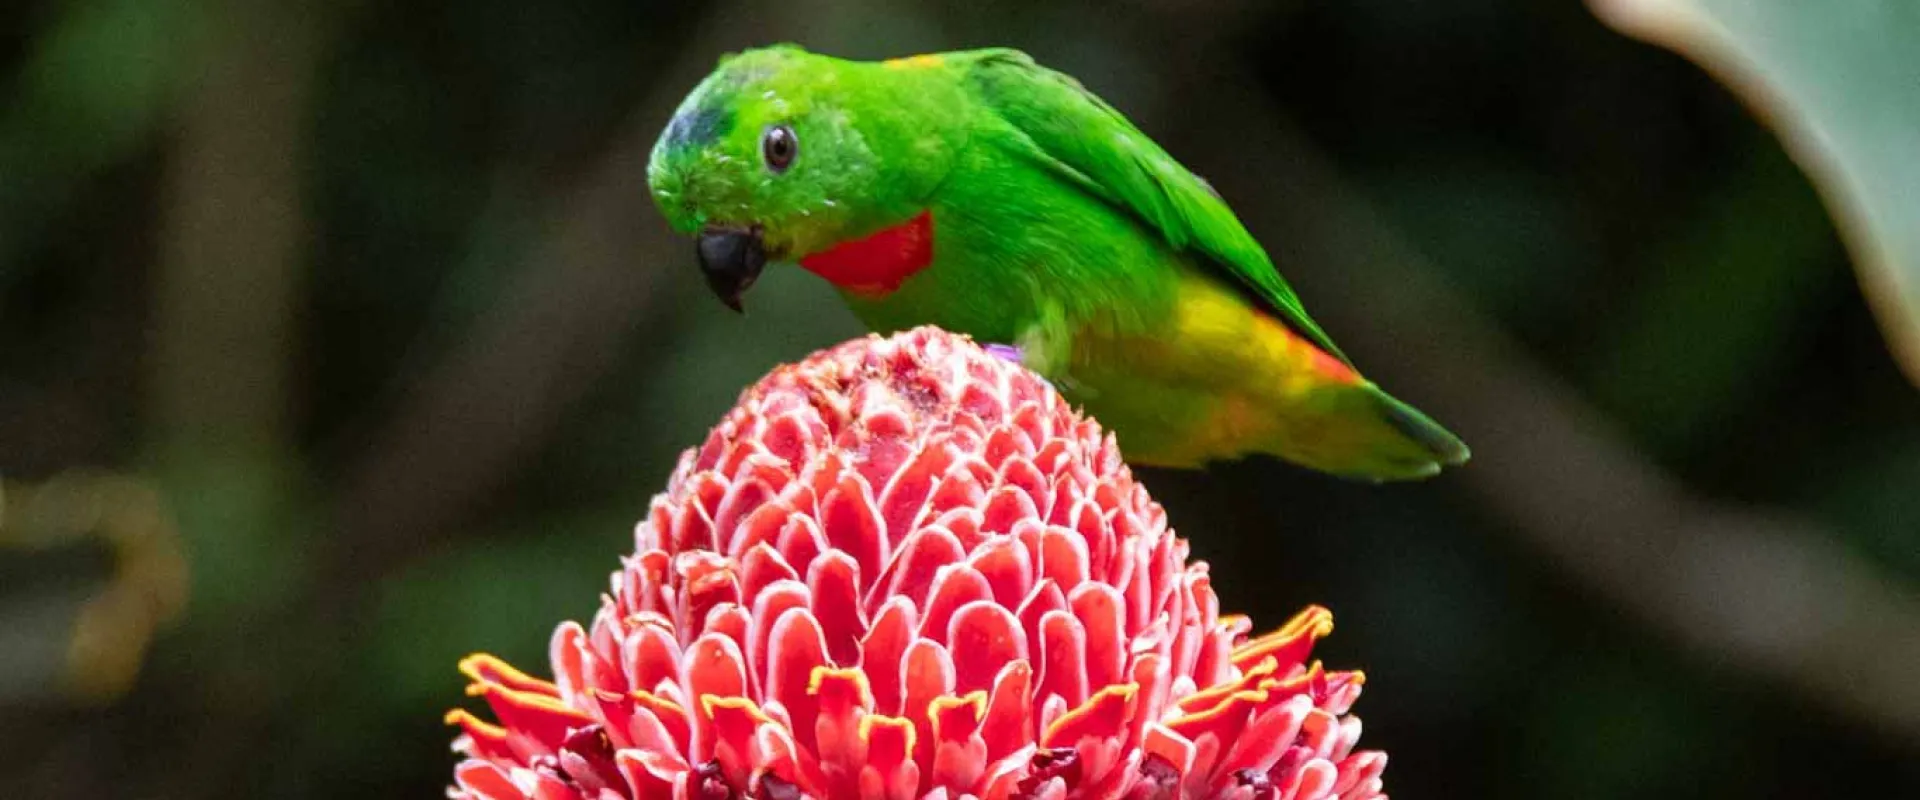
(906, 568)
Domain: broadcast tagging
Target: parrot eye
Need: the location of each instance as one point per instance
(779, 146)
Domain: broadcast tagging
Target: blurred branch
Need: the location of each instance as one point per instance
(227, 294)
(148, 585)
(1746, 589)
(232, 234)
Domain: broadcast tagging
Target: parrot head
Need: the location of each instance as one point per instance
(780, 153)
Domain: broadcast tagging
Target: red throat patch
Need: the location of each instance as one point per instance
(878, 264)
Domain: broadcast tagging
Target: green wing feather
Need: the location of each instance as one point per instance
(1079, 137)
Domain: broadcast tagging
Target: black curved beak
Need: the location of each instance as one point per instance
(731, 258)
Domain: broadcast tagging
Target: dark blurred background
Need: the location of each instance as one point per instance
(338, 340)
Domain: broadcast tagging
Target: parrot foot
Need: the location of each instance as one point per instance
(1007, 352)
(1017, 355)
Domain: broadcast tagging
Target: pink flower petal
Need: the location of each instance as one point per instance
(883, 653)
(1100, 610)
(833, 581)
(1004, 562)
(929, 675)
(795, 650)
(907, 568)
(959, 753)
(984, 636)
(890, 772)
(1007, 727)
(917, 562)
(484, 780)
(712, 667)
(956, 585)
(1063, 657)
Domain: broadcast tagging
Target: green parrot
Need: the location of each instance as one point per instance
(988, 195)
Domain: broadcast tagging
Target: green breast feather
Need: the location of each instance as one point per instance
(1080, 138)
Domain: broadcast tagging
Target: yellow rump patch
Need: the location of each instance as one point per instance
(926, 61)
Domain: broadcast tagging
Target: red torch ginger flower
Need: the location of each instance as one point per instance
(906, 568)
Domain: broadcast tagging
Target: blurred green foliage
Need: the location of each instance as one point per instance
(483, 385)
(1841, 86)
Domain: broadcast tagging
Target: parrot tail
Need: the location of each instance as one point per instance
(1358, 431)
(1445, 448)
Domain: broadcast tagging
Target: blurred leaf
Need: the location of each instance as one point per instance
(504, 598)
(1875, 502)
(91, 91)
(247, 529)
(1620, 727)
(1840, 84)
(1724, 316)
(146, 583)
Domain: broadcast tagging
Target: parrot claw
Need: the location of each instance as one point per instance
(1017, 355)
(1007, 352)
